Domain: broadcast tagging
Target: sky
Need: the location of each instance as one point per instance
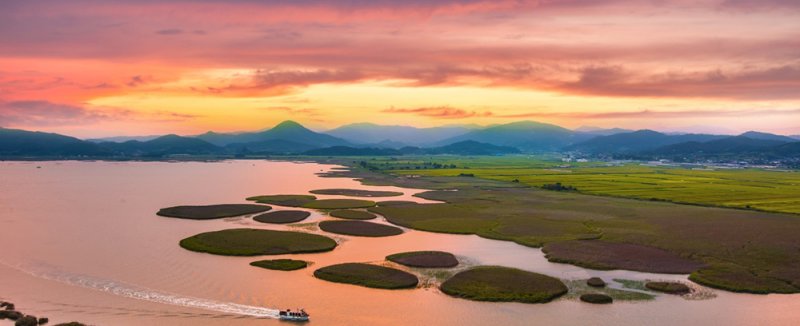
(94, 68)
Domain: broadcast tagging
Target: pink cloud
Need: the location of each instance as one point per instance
(440, 112)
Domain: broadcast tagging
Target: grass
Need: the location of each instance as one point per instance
(254, 242)
(578, 288)
(596, 298)
(495, 283)
(359, 228)
(668, 287)
(767, 190)
(207, 212)
(736, 250)
(352, 214)
(283, 200)
(282, 217)
(339, 203)
(424, 259)
(367, 275)
(598, 254)
(280, 264)
(596, 282)
(356, 192)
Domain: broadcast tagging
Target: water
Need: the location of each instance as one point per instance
(81, 241)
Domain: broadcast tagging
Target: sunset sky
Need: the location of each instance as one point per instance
(93, 68)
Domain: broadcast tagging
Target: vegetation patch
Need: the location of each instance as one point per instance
(598, 254)
(282, 217)
(367, 275)
(495, 283)
(596, 282)
(596, 298)
(339, 204)
(578, 288)
(668, 287)
(208, 212)
(353, 214)
(356, 192)
(254, 242)
(733, 249)
(425, 259)
(283, 200)
(395, 203)
(359, 228)
(280, 264)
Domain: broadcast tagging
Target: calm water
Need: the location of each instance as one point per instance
(81, 241)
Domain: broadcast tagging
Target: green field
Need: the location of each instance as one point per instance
(767, 190)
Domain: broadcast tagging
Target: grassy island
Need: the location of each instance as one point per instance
(352, 214)
(208, 212)
(496, 283)
(359, 228)
(596, 298)
(282, 217)
(356, 193)
(597, 254)
(254, 242)
(668, 287)
(283, 200)
(339, 204)
(280, 264)
(425, 259)
(367, 275)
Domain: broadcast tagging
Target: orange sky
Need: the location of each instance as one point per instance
(94, 68)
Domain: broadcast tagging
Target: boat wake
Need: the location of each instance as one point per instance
(136, 292)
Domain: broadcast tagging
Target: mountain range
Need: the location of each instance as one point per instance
(290, 137)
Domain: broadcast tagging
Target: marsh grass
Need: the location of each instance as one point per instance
(367, 275)
(496, 283)
(207, 212)
(254, 242)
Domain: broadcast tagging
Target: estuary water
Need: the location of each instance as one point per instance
(81, 241)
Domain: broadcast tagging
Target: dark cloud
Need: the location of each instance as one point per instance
(170, 31)
(439, 112)
(43, 113)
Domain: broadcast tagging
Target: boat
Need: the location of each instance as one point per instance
(289, 315)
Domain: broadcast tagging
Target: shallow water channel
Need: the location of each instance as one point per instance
(81, 241)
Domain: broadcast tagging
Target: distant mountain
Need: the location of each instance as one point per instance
(637, 141)
(796, 137)
(734, 144)
(122, 139)
(596, 131)
(370, 133)
(272, 146)
(471, 147)
(352, 151)
(21, 143)
(385, 144)
(767, 136)
(286, 131)
(164, 145)
(525, 135)
(467, 147)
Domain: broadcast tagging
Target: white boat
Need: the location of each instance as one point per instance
(289, 315)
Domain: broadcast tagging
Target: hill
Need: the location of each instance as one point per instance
(285, 131)
(164, 145)
(525, 135)
(370, 133)
(22, 143)
(637, 141)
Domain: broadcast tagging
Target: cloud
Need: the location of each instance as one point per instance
(294, 111)
(439, 112)
(777, 82)
(169, 31)
(44, 113)
(657, 114)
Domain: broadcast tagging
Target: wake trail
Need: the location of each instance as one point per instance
(140, 293)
